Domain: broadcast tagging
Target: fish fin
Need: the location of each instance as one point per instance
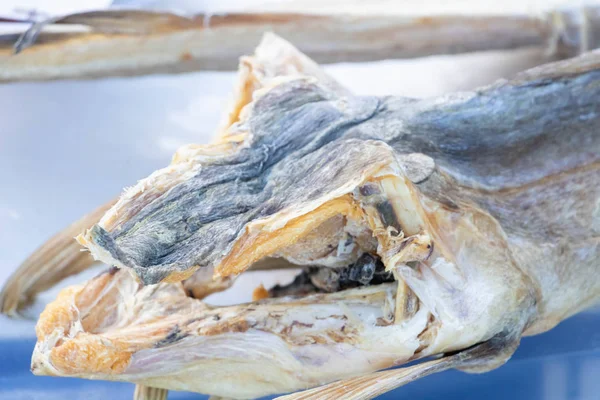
(485, 356)
(274, 59)
(373, 385)
(55, 260)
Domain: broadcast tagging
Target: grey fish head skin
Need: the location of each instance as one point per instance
(197, 221)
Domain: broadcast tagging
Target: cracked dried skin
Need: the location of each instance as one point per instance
(492, 193)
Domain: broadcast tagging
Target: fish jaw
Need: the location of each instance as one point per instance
(249, 350)
(243, 351)
(465, 290)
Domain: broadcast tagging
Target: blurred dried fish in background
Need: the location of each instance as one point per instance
(118, 42)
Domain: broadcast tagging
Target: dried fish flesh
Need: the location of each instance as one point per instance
(474, 202)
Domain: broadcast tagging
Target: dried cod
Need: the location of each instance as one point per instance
(445, 227)
(126, 42)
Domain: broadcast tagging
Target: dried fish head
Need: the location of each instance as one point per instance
(305, 174)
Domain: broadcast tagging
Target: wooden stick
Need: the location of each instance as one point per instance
(149, 393)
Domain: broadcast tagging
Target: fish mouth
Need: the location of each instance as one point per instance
(395, 265)
(167, 339)
(379, 299)
(353, 241)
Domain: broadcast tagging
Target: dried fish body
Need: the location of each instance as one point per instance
(468, 200)
(117, 42)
